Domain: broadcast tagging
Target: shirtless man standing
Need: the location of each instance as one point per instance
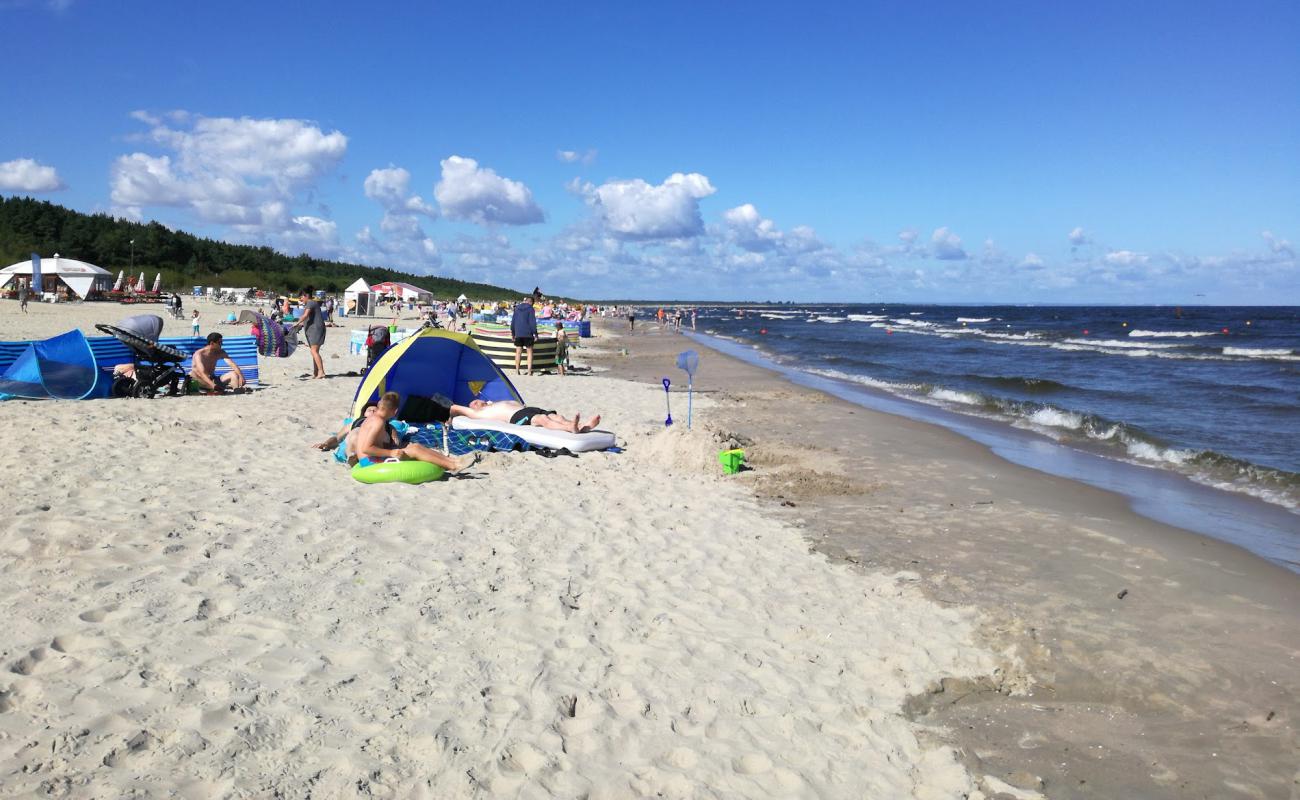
(517, 413)
(205, 365)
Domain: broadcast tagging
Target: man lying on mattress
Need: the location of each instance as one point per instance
(517, 413)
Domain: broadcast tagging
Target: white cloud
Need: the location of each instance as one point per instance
(749, 230)
(1125, 258)
(634, 210)
(477, 194)
(947, 245)
(26, 175)
(908, 236)
(573, 156)
(1279, 246)
(308, 234)
(391, 187)
(1078, 237)
(242, 172)
(406, 245)
(1031, 260)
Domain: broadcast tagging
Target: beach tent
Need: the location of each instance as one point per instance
(81, 278)
(60, 368)
(435, 362)
(358, 300)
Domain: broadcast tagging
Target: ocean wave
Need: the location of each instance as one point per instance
(975, 319)
(955, 396)
(866, 317)
(1123, 344)
(1120, 440)
(1031, 385)
(827, 319)
(864, 380)
(1262, 352)
(1013, 337)
(1171, 334)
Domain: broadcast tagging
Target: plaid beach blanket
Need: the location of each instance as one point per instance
(462, 442)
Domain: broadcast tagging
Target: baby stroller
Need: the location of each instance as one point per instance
(155, 366)
(378, 339)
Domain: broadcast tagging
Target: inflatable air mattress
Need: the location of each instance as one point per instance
(541, 437)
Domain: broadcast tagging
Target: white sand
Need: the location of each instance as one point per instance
(196, 604)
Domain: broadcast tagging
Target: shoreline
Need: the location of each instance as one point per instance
(1264, 528)
(1156, 662)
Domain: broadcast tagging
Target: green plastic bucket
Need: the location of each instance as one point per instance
(731, 461)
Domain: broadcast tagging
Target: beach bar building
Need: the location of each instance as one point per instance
(403, 291)
(77, 278)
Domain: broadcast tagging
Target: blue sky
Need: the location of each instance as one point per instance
(1057, 152)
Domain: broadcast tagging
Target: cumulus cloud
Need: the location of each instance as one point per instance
(1078, 237)
(477, 194)
(26, 175)
(575, 157)
(242, 172)
(947, 245)
(634, 210)
(1125, 258)
(908, 236)
(1031, 261)
(749, 230)
(391, 189)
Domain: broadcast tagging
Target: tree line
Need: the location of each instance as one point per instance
(31, 226)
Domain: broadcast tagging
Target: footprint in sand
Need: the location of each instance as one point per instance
(40, 661)
(96, 614)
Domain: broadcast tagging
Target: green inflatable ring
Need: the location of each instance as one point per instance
(398, 472)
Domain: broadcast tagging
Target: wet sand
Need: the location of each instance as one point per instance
(1138, 659)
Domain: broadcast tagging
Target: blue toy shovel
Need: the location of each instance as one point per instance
(668, 403)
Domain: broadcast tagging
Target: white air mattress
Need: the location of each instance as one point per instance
(541, 437)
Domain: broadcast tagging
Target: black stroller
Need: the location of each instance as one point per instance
(378, 339)
(154, 367)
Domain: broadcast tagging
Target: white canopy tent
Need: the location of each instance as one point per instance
(358, 300)
(81, 278)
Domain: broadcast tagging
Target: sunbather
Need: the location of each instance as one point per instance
(205, 365)
(376, 442)
(517, 413)
(345, 434)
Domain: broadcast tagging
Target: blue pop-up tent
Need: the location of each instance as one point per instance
(61, 368)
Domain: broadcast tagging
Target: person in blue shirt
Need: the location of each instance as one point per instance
(523, 327)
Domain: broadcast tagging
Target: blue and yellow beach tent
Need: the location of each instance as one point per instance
(435, 363)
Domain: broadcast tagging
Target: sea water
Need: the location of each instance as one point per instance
(1210, 393)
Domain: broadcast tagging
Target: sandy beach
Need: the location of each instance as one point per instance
(201, 605)
(1151, 662)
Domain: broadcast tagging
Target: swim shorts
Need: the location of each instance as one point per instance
(524, 416)
(525, 341)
